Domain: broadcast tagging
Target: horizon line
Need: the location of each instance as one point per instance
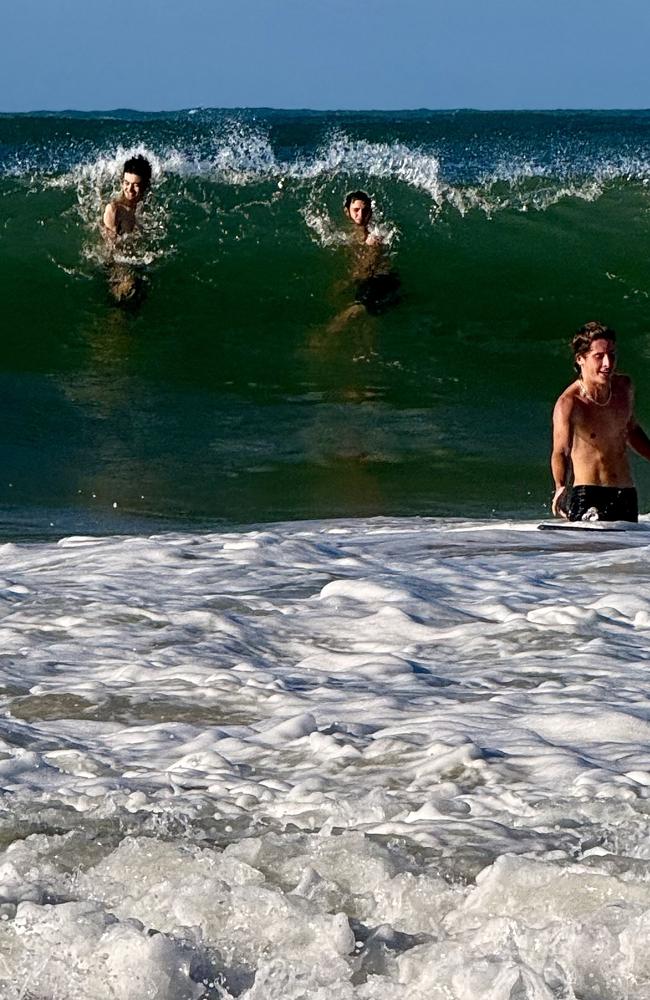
(195, 109)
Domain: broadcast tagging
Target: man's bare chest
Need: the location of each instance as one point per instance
(599, 425)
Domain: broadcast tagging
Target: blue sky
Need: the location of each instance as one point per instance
(155, 55)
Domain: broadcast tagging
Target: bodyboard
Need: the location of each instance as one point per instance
(582, 526)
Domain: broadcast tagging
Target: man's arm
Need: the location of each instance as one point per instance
(638, 439)
(561, 453)
(110, 220)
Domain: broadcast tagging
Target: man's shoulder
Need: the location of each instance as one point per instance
(623, 391)
(566, 400)
(109, 218)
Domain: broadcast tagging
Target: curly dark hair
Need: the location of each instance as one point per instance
(139, 166)
(585, 336)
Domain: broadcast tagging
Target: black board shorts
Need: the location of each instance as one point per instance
(378, 293)
(611, 503)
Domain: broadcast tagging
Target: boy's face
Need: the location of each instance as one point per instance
(599, 362)
(359, 212)
(133, 188)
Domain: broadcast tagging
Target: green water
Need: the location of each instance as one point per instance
(223, 399)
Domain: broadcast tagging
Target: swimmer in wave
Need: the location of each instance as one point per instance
(376, 284)
(119, 222)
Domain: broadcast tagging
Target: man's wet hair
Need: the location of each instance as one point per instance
(585, 336)
(140, 166)
(357, 196)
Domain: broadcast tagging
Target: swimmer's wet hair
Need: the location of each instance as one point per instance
(585, 336)
(357, 196)
(139, 166)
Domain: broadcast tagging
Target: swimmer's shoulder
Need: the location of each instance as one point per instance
(622, 383)
(567, 401)
(623, 391)
(110, 216)
(119, 219)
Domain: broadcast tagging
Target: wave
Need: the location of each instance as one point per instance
(464, 173)
(502, 242)
(225, 182)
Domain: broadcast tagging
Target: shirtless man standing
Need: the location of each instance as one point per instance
(593, 427)
(119, 214)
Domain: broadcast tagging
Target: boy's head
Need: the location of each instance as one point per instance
(584, 338)
(358, 207)
(136, 178)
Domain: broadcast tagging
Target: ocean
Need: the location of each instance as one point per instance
(297, 702)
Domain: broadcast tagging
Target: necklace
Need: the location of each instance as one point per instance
(587, 395)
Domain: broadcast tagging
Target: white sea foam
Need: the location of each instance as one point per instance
(399, 758)
(240, 154)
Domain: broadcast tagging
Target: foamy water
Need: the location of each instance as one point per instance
(393, 758)
(492, 176)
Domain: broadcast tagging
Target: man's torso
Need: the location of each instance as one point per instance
(124, 219)
(599, 436)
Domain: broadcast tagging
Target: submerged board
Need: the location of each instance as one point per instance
(583, 526)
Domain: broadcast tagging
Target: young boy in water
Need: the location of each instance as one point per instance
(358, 208)
(119, 220)
(119, 215)
(593, 427)
(376, 284)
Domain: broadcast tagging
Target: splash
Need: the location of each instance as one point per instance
(503, 173)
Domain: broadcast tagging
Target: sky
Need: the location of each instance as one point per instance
(154, 55)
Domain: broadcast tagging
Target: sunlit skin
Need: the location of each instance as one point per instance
(132, 188)
(594, 425)
(119, 215)
(597, 368)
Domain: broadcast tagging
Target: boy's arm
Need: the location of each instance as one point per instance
(637, 438)
(561, 453)
(110, 220)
